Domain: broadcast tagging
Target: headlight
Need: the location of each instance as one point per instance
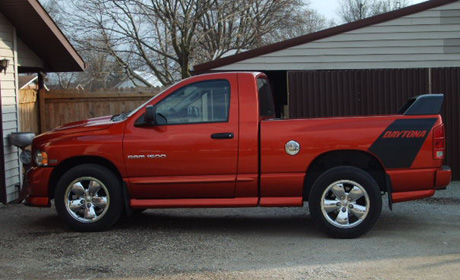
(41, 158)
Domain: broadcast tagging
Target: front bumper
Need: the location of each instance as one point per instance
(37, 201)
(37, 184)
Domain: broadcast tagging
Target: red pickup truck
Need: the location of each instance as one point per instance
(213, 141)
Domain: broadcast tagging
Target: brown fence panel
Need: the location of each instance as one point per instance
(58, 107)
(447, 81)
(28, 110)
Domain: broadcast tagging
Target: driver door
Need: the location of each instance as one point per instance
(193, 153)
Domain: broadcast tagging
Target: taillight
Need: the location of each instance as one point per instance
(439, 142)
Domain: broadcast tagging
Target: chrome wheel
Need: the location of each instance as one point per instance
(345, 204)
(87, 199)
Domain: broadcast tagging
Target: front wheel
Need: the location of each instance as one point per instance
(89, 198)
(345, 202)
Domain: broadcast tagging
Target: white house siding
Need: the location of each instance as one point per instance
(26, 57)
(8, 82)
(423, 40)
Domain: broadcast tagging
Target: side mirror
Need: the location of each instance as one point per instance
(149, 116)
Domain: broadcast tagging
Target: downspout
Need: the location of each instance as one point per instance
(430, 82)
(2, 154)
(41, 90)
(16, 92)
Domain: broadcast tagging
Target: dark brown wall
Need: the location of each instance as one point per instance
(447, 81)
(353, 92)
(372, 92)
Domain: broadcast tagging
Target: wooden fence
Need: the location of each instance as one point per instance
(57, 107)
(28, 111)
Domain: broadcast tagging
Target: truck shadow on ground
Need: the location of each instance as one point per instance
(291, 222)
(300, 225)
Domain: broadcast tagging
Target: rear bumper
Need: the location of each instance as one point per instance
(443, 177)
(37, 185)
(417, 184)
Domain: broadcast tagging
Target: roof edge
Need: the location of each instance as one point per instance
(320, 35)
(58, 33)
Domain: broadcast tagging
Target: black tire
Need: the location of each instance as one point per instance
(89, 197)
(353, 213)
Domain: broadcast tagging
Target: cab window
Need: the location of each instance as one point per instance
(266, 106)
(201, 102)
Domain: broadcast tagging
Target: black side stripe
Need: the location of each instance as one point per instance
(400, 143)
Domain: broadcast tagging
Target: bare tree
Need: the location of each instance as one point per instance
(102, 69)
(390, 5)
(167, 37)
(239, 25)
(157, 35)
(119, 38)
(300, 22)
(353, 10)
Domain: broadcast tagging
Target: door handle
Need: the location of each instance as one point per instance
(224, 135)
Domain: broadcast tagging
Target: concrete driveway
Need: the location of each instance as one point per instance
(417, 240)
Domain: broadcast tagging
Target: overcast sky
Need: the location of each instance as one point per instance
(328, 8)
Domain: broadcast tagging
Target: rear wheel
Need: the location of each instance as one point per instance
(89, 198)
(345, 202)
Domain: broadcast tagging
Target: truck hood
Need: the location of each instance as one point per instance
(86, 125)
(92, 124)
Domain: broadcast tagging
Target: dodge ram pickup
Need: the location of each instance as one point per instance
(213, 141)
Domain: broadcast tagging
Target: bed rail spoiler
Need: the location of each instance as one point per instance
(427, 104)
